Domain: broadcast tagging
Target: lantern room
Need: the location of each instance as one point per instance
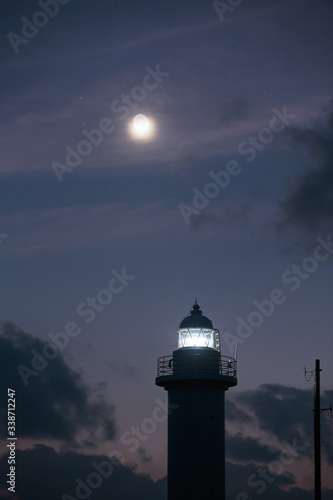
(197, 330)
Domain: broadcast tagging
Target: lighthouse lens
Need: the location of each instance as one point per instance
(196, 337)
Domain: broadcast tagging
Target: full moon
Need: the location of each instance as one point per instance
(142, 127)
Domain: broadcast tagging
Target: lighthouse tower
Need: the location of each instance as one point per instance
(196, 377)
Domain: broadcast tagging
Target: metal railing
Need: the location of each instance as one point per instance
(227, 366)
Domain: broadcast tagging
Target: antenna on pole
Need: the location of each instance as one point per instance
(306, 373)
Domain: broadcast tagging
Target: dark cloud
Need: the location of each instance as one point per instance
(246, 479)
(45, 473)
(56, 403)
(247, 449)
(235, 414)
(286, 417)
(309, 203)
(42, 473)
(282, 412)
(245, 482)
(286, 413)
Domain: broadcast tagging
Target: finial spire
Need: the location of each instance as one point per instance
(196, 308)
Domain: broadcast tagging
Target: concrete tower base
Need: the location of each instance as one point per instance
(196, 381)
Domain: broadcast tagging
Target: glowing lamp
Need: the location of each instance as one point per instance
(197, 330)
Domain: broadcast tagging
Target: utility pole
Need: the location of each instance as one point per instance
(317, 411)
(317, 463)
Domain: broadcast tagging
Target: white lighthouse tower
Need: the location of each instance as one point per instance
(196, 377)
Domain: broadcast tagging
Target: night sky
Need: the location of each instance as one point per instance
(107, 237)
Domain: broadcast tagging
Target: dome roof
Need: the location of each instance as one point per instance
(196, 319)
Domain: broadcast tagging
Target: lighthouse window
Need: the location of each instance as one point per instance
(196, 337)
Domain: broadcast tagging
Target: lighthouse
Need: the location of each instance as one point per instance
(196, 377)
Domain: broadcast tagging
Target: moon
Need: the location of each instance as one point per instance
(142, 127)
(141, 123)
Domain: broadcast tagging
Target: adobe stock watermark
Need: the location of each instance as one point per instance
(40, 19)
(131, 439)
(249, 148)
(293, 278)
(87, 309)
(94, 138)
(222, 8)
(265, 476)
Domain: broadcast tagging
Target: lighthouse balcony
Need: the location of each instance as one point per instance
(199, 364)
